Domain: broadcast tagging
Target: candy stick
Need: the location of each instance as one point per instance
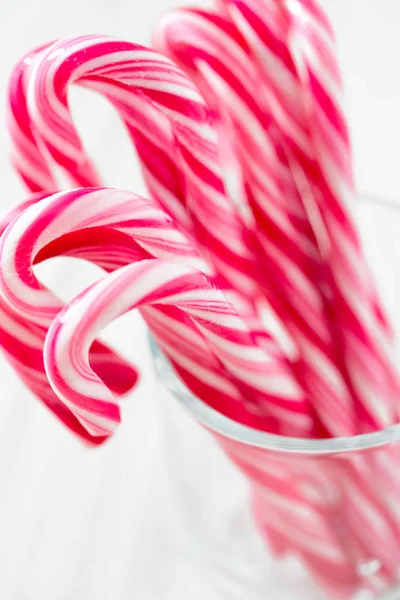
(272, 394)
(117, 100)
(206, 39)
(213, 53)
(364, 334)
(200, 49)
(368, 349)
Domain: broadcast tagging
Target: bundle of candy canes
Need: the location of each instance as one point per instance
(236, 116)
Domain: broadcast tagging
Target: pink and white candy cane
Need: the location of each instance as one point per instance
(22, 345)
(155, 282)
(272, 398)
(292, 48)
(210, 49)
(216, 224)
(370, 339)
(149, 128)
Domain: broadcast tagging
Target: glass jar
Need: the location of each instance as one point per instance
(262, 516)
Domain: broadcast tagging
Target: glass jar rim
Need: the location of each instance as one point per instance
(228, 428)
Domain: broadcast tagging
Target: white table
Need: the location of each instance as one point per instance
(98, 525)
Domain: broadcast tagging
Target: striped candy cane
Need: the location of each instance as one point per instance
(22, 345)
(318, 388)
(152, 282)
(272, 32)
(213, 53)
(149, 129)
(367, 342)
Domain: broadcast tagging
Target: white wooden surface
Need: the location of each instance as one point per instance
(98, 525)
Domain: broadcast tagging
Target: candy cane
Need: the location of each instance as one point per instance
(319, 387)
(153, 231)
(149, 129)
(364, 332)
(160, 282)
(22, 345)
(212, 52)
(369, 352)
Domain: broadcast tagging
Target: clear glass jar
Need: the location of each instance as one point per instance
(263, 516)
